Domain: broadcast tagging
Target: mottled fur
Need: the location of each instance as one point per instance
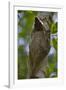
(39, 47)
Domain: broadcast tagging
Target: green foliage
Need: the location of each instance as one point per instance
(55, 43)
(54, 27)
(53, 59)
(25, 23)
(22, 63)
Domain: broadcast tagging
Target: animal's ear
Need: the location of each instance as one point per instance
(38, 24)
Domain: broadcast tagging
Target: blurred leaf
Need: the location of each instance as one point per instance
(55, 43)
(54, 28)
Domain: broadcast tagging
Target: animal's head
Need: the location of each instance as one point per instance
(42, 25)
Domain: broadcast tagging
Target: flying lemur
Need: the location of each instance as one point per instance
(39, 46)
